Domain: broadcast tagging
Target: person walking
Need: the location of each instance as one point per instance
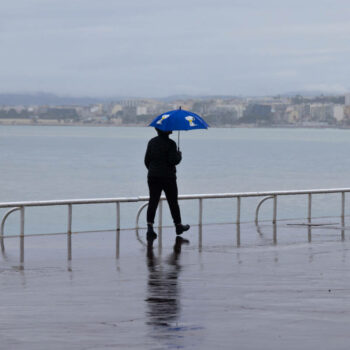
(161, 159)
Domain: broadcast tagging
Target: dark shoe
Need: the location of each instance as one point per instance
(151, 235)
(181, 228)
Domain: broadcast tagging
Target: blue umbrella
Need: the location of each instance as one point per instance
(179, 119)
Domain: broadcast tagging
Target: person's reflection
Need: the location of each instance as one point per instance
(163, 290)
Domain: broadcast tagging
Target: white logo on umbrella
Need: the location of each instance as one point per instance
(165, 116)
(190, 120)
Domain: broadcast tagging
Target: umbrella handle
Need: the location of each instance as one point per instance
(178, 140)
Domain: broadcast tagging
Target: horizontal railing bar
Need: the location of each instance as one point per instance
(181, 197)
(69, 201)
(261, 194)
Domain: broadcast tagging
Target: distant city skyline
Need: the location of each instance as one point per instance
(156, 49)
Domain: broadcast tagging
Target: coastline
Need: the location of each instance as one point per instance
(49, 122)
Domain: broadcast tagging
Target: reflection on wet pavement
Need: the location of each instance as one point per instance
(163, 293)
(232, 287)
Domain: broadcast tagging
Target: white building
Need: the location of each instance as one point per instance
(338, 112)
(240, 108)
(141, 110)
(97, 108)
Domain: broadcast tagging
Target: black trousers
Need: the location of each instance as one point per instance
(156, 185)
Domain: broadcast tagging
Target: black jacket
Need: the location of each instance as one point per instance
(161, 157)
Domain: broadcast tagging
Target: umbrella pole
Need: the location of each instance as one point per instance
(178, 140)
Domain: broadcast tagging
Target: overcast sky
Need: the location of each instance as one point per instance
(156, 48)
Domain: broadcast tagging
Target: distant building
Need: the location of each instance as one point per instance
(321, 112)
(279, 113)
(240, 108)
(257, 113)
(116, 108)
(347, 100)
(347, 113)
(338, 113)
(129, 103)
(293, 114)
(97, 109)
(141, 110)
(298, 113)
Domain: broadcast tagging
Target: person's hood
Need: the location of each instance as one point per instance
(163, 133)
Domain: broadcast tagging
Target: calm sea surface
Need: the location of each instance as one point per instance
(39, 163)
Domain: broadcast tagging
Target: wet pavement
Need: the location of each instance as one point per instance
(284, 287)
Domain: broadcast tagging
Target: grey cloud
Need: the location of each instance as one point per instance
(159, 47)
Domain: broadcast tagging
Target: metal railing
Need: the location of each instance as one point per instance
(15, 206)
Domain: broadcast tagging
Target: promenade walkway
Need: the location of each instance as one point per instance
(287, 293)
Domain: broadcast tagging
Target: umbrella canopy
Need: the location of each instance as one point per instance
(179, 119)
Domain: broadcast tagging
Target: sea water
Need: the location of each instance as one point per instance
(46, 163)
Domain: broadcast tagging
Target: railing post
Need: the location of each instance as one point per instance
(22, 236)
(309, 215)
(343, 205)
(69, 227)
(274, 219)
(200, 222)
(69, 232)
(309, 207)
(118, 216)
(343, 215)
(238, 219)
(200, 218)
(117, 240)
(200, 237)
